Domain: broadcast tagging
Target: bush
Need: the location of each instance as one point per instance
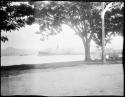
(114, 57)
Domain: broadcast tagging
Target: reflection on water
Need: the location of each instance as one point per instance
(16, 60)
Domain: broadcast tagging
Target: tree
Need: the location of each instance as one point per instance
(113, 22)
(113, 14)
(104, 10)
(78, 15)
(14, 17)
(83, 17)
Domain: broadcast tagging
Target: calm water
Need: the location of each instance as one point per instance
(17, 60)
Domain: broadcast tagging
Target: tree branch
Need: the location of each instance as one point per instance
(91, 35)
(70, 25)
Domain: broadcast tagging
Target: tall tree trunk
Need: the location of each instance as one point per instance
(87, 50)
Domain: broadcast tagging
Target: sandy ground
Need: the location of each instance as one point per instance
(79, 80)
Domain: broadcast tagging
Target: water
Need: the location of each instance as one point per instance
(17, 60)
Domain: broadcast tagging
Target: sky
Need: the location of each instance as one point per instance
(26, 38)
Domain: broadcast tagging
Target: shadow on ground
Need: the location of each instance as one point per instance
(14, 70)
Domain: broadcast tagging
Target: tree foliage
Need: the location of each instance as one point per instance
(13, 17)
(83, 17)
(113, 22)
(48, 16)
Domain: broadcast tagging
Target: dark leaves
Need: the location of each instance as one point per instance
(14, 17)
(4, 38)
(30, 20)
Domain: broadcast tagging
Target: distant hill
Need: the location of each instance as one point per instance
(10, 51)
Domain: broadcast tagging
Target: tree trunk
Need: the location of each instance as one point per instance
(87, 50)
